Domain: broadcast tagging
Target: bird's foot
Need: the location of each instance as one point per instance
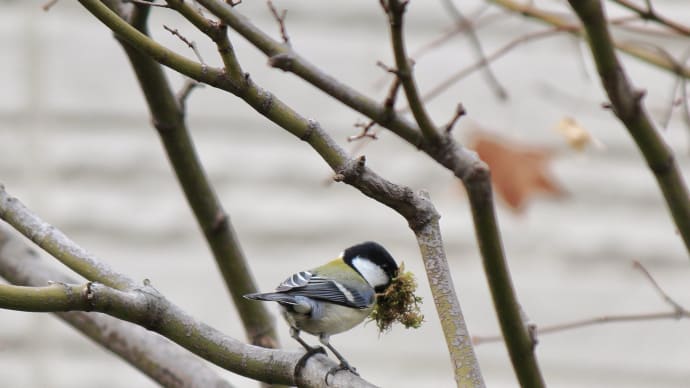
(343, 366)
(303, 360)
(312, 350)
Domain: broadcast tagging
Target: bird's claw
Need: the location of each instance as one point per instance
(342, 366)
(313, 350)
(307, 355)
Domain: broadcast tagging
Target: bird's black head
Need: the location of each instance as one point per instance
(373, 262)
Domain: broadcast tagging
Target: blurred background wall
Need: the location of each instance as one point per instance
(77, 148)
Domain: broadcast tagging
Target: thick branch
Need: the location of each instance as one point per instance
(164, 362)
(626, 103)
(57, 244)
(146, 307)
(515, 333)
(168, 118)
(467, 372)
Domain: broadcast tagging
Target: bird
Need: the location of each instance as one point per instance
(334, 297)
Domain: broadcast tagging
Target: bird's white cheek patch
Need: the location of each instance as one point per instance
(373, 274)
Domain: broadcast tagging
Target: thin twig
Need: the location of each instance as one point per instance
(528, 10)
(48, 5)
(392, 95)
(459, 29)
(365, 132)
(186, 90)
(388, 103)
(462, 73)
(650, 14)
(476, 44)
(678, 312)
(459, 112)
(579, 324)
(218, 32)
(678, 309)
(280, 18)
(188, 42)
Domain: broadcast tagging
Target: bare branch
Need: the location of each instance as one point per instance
(188, 42)
(680, 310)
(280, 18)
(566, 24)
(627, 105)
(160, 359)
(57, 244)
(48, 5)
(466, 25)
(365, 131)
(146, 307)
(650, 14)
(459, 112)
(473, 21)
(462, 73)
(186, 90)
(395, 10)
(167, 111)
(583, 323)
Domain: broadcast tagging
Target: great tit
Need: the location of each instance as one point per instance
(334, 297)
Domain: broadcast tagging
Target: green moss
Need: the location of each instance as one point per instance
(398, 303)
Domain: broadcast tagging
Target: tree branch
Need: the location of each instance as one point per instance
(168, 118)
(677, 312)
(57, 244)
(515, 332)
(463, 24)
(157, 357)
(650, 14)
(395, 10)
(582, 323)
(462, 162)
(146, 307)
(559, 21)
(626, 102)
(284, 58)
(467, 373)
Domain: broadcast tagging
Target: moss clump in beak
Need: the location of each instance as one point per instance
(398, 303)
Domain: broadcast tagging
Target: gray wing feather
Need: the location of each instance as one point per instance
(328, 290)
(306, 284)
(300, 279)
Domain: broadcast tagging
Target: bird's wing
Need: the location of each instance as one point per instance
(299, 279)
(307, 284)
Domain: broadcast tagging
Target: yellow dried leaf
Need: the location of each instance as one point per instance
(575, 135)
